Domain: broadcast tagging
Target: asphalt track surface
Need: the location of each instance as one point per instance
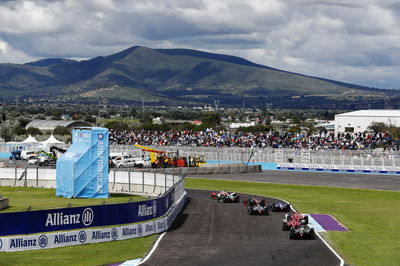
(348, 180)
(207, 232)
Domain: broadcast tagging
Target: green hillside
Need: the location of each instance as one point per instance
(180, 76)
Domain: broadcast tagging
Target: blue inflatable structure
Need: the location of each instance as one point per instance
(82, 172)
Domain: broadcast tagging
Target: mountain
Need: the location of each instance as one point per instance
(181, 77)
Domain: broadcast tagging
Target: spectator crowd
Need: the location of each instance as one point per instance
(212, 138)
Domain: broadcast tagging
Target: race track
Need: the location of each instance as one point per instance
(327, 179)
(212, 233)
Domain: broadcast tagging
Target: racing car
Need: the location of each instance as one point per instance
(255, 206)
(225, 197)
(293, 220)
(303, 231)
(280, 207)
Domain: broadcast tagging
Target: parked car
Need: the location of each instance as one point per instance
(133, 162)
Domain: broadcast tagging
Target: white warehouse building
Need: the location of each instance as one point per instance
(359, 121)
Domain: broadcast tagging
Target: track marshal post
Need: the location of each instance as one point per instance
(82, 172)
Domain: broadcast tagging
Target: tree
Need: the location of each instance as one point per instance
(211, 118)
(90, 119)
(23, 121)
(117, 125)
(61, 131)
(33, 131)
(378, 127)
(18, 130)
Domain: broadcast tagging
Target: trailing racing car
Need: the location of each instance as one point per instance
(256, 207)
(293, 220)
(225, 197)
(279, 206)
(303, 231)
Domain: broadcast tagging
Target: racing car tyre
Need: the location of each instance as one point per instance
(284, 227)
(291, 236)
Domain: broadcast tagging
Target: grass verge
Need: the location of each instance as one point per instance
(371, 215)
(44, 198)
(91, 254)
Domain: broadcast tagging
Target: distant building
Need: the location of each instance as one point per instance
(359, 121)
(50, 125)
(237, 125)
(328, 125)
(196, 122)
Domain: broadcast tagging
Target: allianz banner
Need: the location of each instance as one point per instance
(29, 222)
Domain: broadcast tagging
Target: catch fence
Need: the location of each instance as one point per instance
(376, 157)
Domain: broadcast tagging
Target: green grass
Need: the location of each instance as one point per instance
(45, 198)
(371, 215)
(91, 254)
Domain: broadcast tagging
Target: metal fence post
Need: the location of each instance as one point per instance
(37, 176)
(143, 181)
(129, 180)
(165, 182)
(155, 182)
(113, 179)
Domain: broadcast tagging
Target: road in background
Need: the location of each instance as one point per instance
(347, 180)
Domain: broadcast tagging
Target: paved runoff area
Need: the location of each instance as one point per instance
(211, 233)
(347, 180)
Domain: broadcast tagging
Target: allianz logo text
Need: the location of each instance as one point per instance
(59, 218)
(144, 210)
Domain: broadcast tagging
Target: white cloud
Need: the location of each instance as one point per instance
(8, 54)
(339, 39)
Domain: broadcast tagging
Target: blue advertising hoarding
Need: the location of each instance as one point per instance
(82, 172)
(29, 222)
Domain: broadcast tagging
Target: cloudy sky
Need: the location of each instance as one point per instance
(356, 41)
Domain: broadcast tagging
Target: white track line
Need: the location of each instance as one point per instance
(153, 249)
(320, 237)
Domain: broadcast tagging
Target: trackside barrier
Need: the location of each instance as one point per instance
(119, 180)
(340, 168)
(174, 200)
(209, 168)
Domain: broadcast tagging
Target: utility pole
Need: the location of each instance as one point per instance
(216, 102)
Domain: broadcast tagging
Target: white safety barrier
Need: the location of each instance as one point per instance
(339, 168)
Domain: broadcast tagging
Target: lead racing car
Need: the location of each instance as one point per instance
(256, 207)
(225, 197)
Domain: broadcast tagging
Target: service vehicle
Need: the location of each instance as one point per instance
(27, 155)
(133, 162)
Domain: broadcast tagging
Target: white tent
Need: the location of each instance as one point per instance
(51, 141)
(30, 139)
